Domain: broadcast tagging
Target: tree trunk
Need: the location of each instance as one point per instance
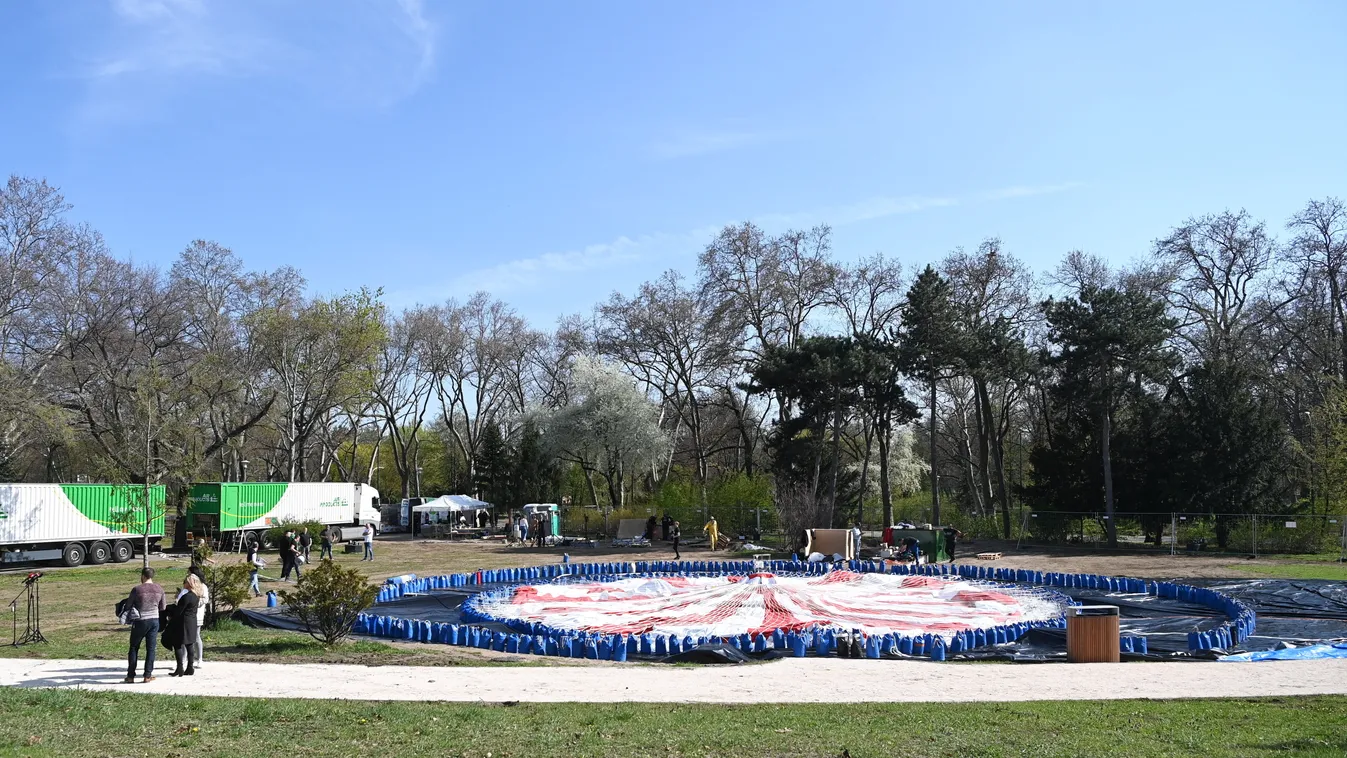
(865, 472)
(885, 492)
(992, 444)
(1110, 527)
(837, 456)
(935, 468)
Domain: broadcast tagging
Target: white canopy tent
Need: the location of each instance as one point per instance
(452, 504)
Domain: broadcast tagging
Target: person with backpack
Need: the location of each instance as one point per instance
(144, 608)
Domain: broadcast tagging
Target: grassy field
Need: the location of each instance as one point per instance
(77, 724)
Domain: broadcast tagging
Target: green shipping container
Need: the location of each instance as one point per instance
(118, 507)
(232, 505)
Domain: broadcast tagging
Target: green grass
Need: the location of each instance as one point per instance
(76, 724)
(1330, 571)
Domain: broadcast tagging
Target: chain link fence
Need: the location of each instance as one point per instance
(1174, 533)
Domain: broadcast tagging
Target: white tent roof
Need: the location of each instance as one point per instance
(449, 503)
(540, 507)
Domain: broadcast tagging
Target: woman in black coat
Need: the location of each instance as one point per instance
(184, 625)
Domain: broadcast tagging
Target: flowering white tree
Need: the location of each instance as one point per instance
(609, 428)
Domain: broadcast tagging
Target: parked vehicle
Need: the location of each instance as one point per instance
(239, 513)
(78, 523)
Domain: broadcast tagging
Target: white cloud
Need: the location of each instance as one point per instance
(357, 53)
(550, 270)
(422, 33)
(1006, 193)
(864, 210)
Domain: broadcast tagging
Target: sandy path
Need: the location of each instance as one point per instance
(785, 681)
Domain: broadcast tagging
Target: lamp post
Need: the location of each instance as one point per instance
(244, 465)
(418, 482)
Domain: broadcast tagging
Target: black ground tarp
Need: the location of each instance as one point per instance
(1294, 612)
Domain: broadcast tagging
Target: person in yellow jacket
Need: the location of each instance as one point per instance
(712, 530)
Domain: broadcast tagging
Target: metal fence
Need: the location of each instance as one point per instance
(1173, 533)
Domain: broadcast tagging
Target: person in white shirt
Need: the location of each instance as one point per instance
(369, 542)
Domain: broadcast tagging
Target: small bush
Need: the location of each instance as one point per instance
(228, 588)
(327, 600)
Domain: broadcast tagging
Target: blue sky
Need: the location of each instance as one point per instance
(551, 152)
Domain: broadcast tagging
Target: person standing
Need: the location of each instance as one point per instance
(305, 543)
(712, 530)
(186, 626)
(952, 536)
(325, 544)
(289, 551)
(194, 646)
(676, 533)
(368, 536)
(144, 606)
(257, 564)
(524, 530)
(855, 540)
(664, 527)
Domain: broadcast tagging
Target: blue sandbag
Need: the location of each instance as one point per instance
(1125, 644)
(797, 644)
(271, 599)
(675, 645)
(956, 643)
(512, 643)
(979, 638)
(905, 645)
(661, 645)
(591, 649)
(938, 649)
(919, 646)
(619, 650)
(820, 643)
(872, 647)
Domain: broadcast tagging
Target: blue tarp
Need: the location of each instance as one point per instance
(1308, 653)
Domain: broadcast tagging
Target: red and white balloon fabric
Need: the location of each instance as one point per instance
(762, 603)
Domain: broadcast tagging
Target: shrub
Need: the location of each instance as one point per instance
(327, 600)
(228, 589)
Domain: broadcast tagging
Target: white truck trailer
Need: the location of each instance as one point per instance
(246, 510)
(78, 523)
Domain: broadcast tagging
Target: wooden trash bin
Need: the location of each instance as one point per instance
(1092, 634)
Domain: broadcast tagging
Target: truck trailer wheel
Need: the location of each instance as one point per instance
(99, 553)
(122, 551)
(266, 541)
(73, 555)
(249, 539)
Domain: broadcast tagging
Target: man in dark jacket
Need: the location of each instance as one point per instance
(325, 539)
(305, 543)
(289, 550)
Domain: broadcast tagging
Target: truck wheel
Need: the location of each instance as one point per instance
(249, 539)
(122, 551)
(266, 541)
(99, 553)
(73, 555)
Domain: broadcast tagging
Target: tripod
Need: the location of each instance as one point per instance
(33, 629)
